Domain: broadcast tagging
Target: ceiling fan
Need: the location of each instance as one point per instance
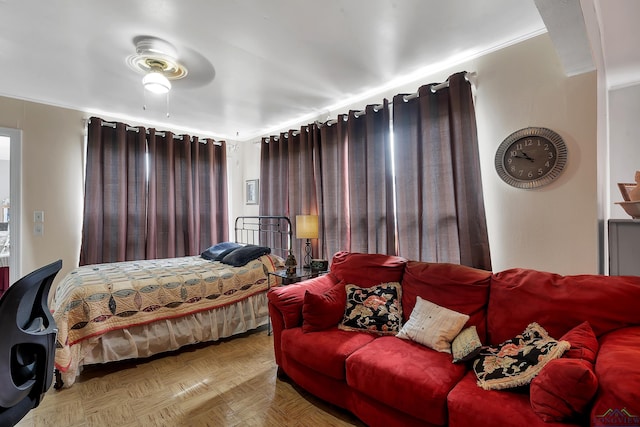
(157, 60)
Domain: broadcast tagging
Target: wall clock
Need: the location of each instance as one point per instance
(531, 157)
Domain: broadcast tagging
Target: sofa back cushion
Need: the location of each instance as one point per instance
(456, 287)
(559, 303)
(367, 270)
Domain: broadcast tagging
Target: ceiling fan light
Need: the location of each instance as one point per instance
(156, 82)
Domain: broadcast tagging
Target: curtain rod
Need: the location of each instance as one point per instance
(434, 88)
(161, 133)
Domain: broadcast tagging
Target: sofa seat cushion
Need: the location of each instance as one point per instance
(618, 371)
(405, 375)
(469, 405)
(323, 351)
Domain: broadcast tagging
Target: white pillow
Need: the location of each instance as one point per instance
(433, 326)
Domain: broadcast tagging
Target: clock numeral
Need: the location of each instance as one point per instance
(540, 172)
(550, 155)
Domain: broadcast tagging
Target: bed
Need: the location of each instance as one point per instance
(136, 309)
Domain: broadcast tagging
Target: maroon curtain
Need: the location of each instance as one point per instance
(440, 207)
(334, 187)
(288, 178)
(175, 206)
(340, 171)
(370, 178)
(357, 183)
(187, 206)
(212, 213)
(115, 192)
(274, 176)
(302, 173)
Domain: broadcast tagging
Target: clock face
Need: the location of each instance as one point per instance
(531, 157)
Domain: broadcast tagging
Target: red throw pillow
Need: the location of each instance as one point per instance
(563, 389)
(584, 344)
(322, 311)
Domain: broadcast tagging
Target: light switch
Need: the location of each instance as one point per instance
(38, 216)
(38, 229)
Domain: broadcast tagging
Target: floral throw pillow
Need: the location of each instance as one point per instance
(374, 309)
(517, 361)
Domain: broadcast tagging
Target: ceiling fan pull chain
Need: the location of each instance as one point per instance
(144, 99)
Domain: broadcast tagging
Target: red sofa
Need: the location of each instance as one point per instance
(388, 381)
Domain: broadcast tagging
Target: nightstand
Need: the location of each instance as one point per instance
(282, 278)
(300, 275)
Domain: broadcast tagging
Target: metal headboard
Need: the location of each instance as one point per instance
(271, 231)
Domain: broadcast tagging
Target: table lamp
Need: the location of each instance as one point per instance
(307, 228)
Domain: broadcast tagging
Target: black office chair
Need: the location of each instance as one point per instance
(27, 344)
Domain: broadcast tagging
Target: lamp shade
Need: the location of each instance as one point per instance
(307, 226)
(156, 82)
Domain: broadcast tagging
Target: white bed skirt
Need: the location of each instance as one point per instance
(171, 334)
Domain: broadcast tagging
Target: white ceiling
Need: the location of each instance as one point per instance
(255, 66)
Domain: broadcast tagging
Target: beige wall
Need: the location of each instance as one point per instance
(553, 228)
(52, 170)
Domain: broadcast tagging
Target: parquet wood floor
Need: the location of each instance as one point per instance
(231, 382)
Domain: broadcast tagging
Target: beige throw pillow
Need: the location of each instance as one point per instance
(433, 326)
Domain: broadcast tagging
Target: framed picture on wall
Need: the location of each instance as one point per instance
(253, 191)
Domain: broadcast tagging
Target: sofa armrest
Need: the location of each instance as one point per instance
(285, 305)
(287, 300)
(618, 371)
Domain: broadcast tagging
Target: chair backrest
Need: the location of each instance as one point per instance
(27, 344)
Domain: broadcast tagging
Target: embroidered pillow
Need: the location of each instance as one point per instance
(517, 361)
(466, 345)
(374, 309)
(433, 326)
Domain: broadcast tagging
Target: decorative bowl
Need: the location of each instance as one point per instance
(631, 208)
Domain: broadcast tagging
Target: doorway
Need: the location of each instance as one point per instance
(10, 195)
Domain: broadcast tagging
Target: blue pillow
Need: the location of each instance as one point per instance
(243, 255)
(217, 252)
